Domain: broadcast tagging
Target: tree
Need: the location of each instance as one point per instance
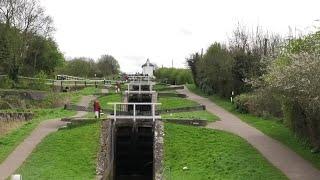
(295, 79)
(81, 67)
(192, 63)
(108, 65)
(43, 55)
(21, 20)
(174, 75)
(215, 71)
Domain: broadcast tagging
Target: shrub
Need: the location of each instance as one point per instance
(6, 83)
(40, 83)
(242, 103)
(4, 105)
(259, 103)
(296, 80)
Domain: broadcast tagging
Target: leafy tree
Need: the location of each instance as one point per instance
(174, 76)
(20, 21)
(215, 71)
(296, 80)
(81, 67)
(108, 65)
(192, 63)
(43, 55)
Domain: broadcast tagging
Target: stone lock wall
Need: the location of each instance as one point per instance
(16, 116)
(105, 155)
(158, 152)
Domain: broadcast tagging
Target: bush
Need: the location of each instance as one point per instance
(6, 83)
(4, 105)
(295, 78)
(242, 103)
(260, 103)
(40, 83)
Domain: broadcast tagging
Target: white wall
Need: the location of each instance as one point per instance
(148, 70)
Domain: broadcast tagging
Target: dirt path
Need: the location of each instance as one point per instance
(23, 150)
(290, 163)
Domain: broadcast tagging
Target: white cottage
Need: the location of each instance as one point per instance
(148, 68)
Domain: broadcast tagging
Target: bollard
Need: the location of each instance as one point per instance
(61, 86)
(16, 177)
(231, 98)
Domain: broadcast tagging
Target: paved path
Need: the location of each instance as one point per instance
(290, 163)
(23, 150)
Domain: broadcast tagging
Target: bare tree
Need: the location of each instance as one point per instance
(257, 41)
(26, 18)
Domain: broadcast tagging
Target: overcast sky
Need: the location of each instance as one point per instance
(166, 30)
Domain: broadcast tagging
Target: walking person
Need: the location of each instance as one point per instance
(96, 109)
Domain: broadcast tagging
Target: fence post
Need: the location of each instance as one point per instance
(114, 111)
(61, 87)
(153, 112)
(85, 83)
(134, 113)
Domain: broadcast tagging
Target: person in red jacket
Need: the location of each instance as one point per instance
(96, 109)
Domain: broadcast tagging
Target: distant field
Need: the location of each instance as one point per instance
(212, 154)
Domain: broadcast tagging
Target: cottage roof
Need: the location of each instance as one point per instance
(148, 62)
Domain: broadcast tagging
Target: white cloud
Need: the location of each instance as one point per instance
(163, 30)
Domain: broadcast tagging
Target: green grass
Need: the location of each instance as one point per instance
(175, 102)
(76, 95)
(159, 86)
(203, 115)
(70, 153)
(104, 100)
(212, 154)
(271, 127)
(10, 141)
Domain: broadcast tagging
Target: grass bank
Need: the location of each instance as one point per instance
(76, 95)
(271, 127)
(212, 154)
(203, 115)
(175, 102)
(70, 153)
(104, 100)
(11, 140)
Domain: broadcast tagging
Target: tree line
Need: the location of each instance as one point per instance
(271, 76)
(28, 49)
(105, 66)
(174, 76)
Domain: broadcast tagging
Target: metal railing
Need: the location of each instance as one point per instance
(135, 111)
(140, 88)
(139, 78)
